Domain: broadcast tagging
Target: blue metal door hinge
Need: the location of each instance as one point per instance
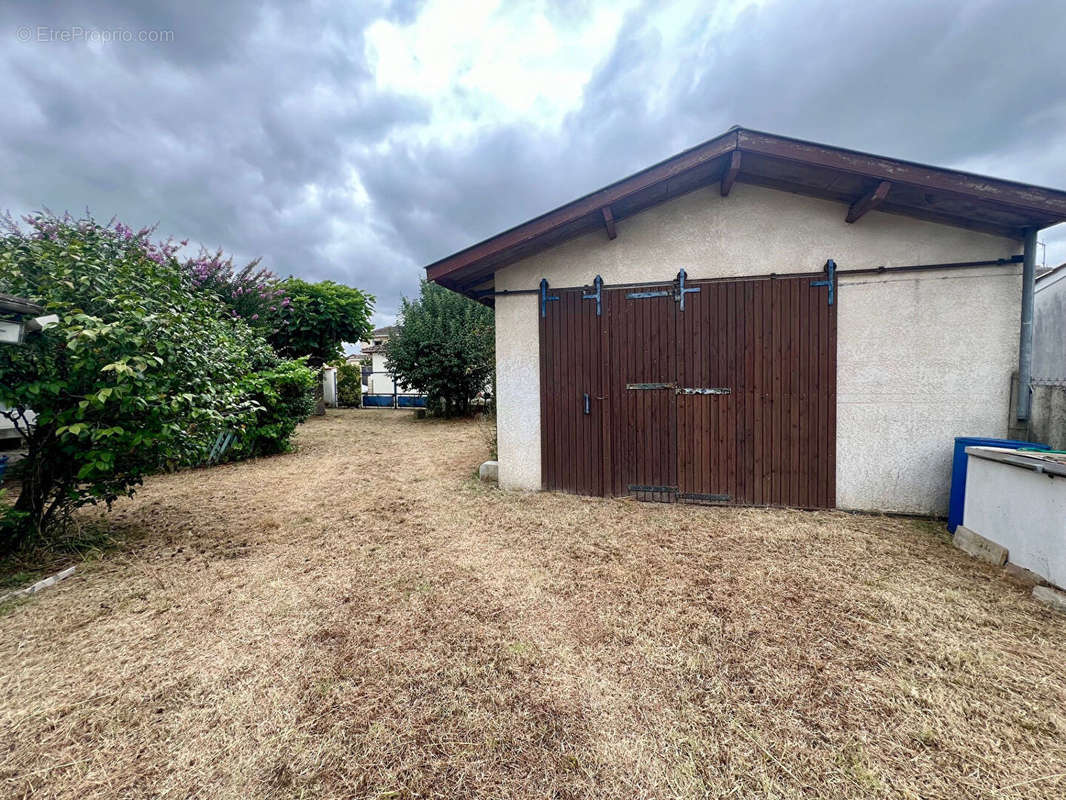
(545, 298)
(682, 291)
(831, 269)
(596, 295)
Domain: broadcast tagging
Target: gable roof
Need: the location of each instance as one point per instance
(861, 180)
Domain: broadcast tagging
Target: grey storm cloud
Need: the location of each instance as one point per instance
(249, 130)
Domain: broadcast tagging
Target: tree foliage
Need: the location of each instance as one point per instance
(251, 292)
(140, 374)
(322, 316)
(349, 385)
(444, 347)
(283, 394)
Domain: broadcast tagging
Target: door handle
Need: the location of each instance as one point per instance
(588, 405)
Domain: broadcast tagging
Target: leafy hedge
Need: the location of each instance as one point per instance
(444, 347)
(349, 385)
(284, 396)
(141, 373)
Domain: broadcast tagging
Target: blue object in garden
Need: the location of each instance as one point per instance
(378, 400)
(958, 471)
(3, 467)
(411, 401)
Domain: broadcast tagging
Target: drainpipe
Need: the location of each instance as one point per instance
(1025, 335)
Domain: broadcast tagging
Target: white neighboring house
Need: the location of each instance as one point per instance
(379, 385)
(1049, 343)
(378, 379)
(1049, 359)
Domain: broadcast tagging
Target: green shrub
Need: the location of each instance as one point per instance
(349, 385)
(10, 518)
(284, 395)
(320, 317)
(141, 373)
(444, 347)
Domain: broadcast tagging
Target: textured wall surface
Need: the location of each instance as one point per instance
(1048, 419)
(1049, 335)
(1022, 510)
(922, 357)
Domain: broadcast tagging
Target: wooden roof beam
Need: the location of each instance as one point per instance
(729, 177)
(608, 222)
(587, 205)
(869, 201)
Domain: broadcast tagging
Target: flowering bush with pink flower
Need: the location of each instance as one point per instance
(142, 371)
(251, 292)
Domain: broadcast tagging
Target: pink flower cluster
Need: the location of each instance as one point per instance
(252, 292)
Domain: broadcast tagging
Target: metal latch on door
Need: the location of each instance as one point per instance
(681, 389)
(678, 294)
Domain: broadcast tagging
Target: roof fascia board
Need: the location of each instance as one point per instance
(1008, 193)
(589, 204)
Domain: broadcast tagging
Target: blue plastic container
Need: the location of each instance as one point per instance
(3, 467)
(958, 471)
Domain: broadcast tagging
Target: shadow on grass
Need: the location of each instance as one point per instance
(81, 542)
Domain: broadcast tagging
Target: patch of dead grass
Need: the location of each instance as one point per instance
(360, 619)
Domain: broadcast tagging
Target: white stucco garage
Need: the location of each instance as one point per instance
(925, 348)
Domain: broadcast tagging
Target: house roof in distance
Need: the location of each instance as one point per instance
(1049, 276)
(861, 181)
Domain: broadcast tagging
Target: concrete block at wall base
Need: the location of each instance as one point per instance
(1024, 576)
(489, 471)
(1051, 597)
(979, 547)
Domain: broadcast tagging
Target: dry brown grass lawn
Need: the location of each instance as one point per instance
(361, 619)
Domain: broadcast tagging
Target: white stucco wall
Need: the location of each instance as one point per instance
(1022, 510)
(1049, 336)
(922, 357)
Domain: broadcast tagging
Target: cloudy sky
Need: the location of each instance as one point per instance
(359, 141)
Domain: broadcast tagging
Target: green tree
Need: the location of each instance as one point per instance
(321, 317)
(349, 385)
(140, 374)
(444, 347)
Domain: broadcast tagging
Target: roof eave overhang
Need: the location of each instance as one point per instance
(860, 180)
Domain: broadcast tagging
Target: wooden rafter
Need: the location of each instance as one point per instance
(608, 222)
(943, 196)
(729, 177)
(869, 201)
(585, 206)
